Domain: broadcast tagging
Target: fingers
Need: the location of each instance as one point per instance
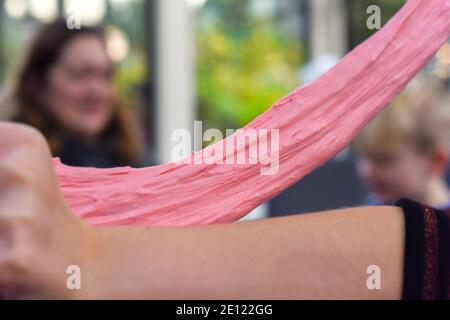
(17, 136)
(39, 235)
(25, 158)
(22, 149)
(8, 274)
(35, 223)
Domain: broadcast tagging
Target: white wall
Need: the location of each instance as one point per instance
(175, 94)
(328, 27)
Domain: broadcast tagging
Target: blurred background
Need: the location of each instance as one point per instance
(220, 61)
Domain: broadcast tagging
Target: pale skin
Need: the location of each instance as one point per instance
(408, 173)
(316, 256)
(79, 91)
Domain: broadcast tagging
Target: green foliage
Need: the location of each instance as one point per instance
(243, 67)
(131, 75)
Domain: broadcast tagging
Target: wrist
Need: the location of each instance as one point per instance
(100, 258)
(91, 264)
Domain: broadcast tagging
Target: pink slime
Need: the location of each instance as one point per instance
(316, 122)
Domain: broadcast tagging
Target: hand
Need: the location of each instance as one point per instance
(39, 236)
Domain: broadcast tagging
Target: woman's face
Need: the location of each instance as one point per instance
(79, 90)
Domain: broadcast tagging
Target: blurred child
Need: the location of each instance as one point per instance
(405, 151)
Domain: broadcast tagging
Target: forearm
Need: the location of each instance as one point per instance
(320, 256)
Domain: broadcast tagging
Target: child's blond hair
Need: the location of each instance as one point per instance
(418, 119)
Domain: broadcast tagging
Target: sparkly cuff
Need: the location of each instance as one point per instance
(426, 268)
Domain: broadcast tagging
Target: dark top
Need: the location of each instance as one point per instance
(79, 154)
(427, 252)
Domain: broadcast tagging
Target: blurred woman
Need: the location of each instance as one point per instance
(405, 151)
(65, 89)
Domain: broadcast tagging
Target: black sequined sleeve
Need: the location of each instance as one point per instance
(427, 252)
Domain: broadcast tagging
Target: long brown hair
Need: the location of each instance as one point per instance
(28, 102)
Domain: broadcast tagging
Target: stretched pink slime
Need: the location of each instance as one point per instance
(316, 122)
